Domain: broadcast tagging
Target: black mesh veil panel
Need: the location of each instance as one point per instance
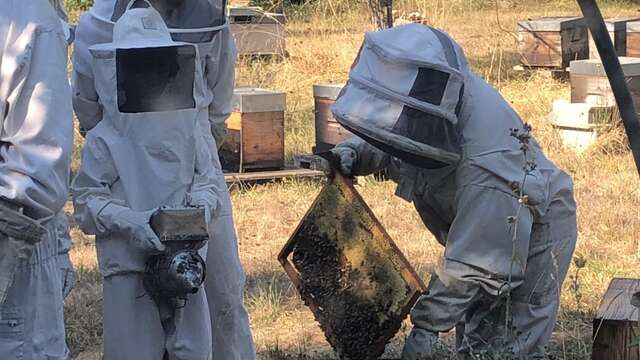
(184, 14)
(155, 79)
(429, 86)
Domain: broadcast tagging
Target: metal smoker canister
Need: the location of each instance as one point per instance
(328, 132)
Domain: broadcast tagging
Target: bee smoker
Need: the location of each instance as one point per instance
(179, 271)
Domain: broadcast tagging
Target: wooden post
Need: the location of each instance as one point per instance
(616, 329)
(381, 13)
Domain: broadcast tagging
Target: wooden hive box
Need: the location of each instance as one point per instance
(616, 330)
(589, 82)
(329, 132)
(618, 32)
(255, 138)
(633, 39)
(257, 32)
(552, 42)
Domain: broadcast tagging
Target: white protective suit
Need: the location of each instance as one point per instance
(202, 22)
(136, 160)
(194, 22)
(36, 141)
(67, 273)
(444, 134)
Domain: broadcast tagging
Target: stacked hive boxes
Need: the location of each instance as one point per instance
(617, 28)
(255, 137)
(592, 105)
(552, 42)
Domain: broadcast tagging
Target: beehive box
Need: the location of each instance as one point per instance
(255, 137)
(589, 82)
(257, 32)
(350, 273)
(580, 124)
(633, 39)
(329, 132)
(553, 42)
(617, 28)
(616, 327)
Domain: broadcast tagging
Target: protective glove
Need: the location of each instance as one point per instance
(419, 345)
(67, 274)
(205, 199)
(135, 224)
(346, 156)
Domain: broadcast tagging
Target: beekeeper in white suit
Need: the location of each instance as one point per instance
(36, 141)
(142, 155)
(445, 136)
(202, 22)
(67, 273)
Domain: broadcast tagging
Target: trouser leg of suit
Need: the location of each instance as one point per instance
(534, 305)
(32, 325)
(225, 286)
(133, 329)
(480, 318)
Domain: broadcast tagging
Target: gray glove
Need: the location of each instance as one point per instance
(204, 199)
(134, 223)
(419, 345)
(67, 274)
(347, 158)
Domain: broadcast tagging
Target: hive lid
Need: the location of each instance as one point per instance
(251, 99)
(633, 26)
(620, 302)
(555, 23)
(593, 67)
(619, 23)
(329, 91)
(350, 273)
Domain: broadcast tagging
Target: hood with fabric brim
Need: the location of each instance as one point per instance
(405, 92)
(184, 14)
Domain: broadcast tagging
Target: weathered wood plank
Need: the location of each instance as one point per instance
(263, 138)
(633, 44)
(597, 90)
(272, 175)
(540, 48)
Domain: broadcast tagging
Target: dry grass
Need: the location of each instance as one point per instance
(322, 41)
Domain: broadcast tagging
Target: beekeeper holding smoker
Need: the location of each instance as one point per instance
(171, 121)
(461, 154)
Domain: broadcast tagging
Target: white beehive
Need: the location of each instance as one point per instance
(579, 124)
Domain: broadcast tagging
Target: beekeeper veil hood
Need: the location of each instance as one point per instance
(152, 91)
(189, 20)
(404, 94)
